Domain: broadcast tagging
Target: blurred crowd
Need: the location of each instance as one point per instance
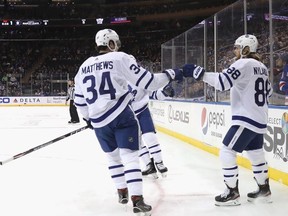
(39, 60)
(36, 60)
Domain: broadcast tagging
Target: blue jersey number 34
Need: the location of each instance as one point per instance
(106, 87)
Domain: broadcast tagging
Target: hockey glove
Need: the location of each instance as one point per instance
(88, 122)
(174, 74)
(191, 70)
(168, 91)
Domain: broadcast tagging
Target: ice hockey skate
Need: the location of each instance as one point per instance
(139, 207)
(262, 194)
(150, 170)
(123, 196)
(230, 197)
(73, 122)
(162, 169)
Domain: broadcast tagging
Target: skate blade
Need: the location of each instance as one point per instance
(164, 175)
(154, 175)
(235, 202)
(123, 201)
(143, 213)
(260, 200)
(125, 207)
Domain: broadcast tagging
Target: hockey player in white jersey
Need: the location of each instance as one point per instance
(103, 99)
(248, 79)
(152, 155)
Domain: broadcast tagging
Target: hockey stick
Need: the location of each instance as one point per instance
(281, 156)
(43, 145)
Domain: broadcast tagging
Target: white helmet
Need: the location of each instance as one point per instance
(247, 40)
(103, 37)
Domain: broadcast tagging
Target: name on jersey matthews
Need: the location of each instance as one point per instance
(97, 66)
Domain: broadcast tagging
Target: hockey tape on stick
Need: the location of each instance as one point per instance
(42, 145)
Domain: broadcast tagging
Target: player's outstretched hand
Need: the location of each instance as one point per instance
(191, 70)
(88, 122)
(174, 74)
(168, 91)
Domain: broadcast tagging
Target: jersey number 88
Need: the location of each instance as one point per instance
(261, 91)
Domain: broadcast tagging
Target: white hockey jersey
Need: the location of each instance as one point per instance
(248, 80)
(101, 85)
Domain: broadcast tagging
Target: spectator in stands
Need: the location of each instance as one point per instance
(283, 83)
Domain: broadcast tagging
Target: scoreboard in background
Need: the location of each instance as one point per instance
(6, 22)
(67, 22)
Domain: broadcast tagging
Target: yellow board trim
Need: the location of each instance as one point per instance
(244, 162)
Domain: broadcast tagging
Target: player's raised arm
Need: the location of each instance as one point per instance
(141, 77)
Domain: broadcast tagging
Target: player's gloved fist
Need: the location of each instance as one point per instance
(168, 91)
(88, 122)
(191, 70)
(174, 74)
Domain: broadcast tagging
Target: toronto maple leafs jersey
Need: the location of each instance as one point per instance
(248, 80)
(101, 85)
(141, 97)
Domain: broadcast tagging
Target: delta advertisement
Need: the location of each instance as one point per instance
(32, 101)
(209, 122)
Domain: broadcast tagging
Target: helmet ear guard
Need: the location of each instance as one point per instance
(105, 36)
(247, 44)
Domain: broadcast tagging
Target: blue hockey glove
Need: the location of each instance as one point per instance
(174, 74)
(168, 91)
(88, 122)
(191, 70)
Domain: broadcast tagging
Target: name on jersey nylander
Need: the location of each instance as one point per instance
(260, 71)
(97, 66)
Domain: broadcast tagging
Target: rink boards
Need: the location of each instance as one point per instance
(204, 125)
(201, 124)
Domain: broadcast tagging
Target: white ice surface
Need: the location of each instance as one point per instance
(70, 177)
